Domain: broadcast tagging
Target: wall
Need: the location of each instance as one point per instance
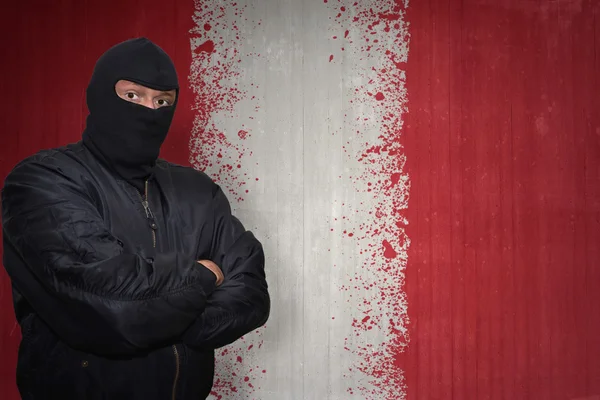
(425, 179)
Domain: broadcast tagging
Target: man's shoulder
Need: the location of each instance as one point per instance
(58, 159)
(188, 177)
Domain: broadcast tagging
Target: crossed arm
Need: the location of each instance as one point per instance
(98, 298)
(241, 303)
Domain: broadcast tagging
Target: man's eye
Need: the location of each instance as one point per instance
(131, 96)
(163, 103)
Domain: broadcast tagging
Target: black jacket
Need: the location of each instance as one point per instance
(111, 301)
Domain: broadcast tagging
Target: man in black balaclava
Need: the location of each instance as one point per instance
(138, 131)
(127, 270)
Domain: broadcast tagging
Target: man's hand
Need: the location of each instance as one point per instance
(215, 269)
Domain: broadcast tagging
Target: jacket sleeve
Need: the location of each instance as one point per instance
(76, 275)
(241, 304)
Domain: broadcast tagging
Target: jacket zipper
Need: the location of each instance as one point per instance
(176, 370)
(153, 227)
(149, 215)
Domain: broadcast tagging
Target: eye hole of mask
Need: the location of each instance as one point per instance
(145, 96)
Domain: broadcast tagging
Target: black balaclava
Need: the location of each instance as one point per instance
(126, 136)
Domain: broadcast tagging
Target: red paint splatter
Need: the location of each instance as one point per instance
(206, 47)
(331, 58)
(379, 35)
(211, 150)
(214, 74)
(389, 251)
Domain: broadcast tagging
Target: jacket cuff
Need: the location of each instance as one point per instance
(208, 279)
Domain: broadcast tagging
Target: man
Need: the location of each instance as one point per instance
(127, 270)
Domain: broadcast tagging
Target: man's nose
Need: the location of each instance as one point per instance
(148, 103)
